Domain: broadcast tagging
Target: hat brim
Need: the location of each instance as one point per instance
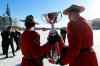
(30, 22)
(77, 9)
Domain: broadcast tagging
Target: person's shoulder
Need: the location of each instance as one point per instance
(30, 32)
(34, 32)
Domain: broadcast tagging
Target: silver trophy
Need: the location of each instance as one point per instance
(52, 18)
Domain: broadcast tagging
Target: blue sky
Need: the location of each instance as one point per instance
(21, 8)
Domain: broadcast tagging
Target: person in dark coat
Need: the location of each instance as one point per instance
(7, 40)
(30, 45)
(4, 40)
(16, 38)
(80, 38)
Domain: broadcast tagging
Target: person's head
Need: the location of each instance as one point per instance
(29, 21)
(8, 28)
(73, 12)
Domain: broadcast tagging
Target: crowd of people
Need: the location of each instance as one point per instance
(79, 51)
(9, 36)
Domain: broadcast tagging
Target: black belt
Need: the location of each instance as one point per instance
(85, 49)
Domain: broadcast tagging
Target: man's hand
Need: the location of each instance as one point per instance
(59, 62)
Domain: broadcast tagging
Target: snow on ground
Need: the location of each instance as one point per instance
(14, 61)
(96, 46)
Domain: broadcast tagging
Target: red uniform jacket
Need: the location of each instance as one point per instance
(31, 49)
(80, 39)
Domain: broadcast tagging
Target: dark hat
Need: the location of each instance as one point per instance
(30, 19)
(74, 8)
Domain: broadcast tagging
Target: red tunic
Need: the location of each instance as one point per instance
(80, 39)
(31, 49)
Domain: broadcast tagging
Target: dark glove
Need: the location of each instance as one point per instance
(59, 62)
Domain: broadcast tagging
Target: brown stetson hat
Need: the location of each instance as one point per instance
(74, 8)
(30, 19)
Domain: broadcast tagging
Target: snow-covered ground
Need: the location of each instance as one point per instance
(14, 61)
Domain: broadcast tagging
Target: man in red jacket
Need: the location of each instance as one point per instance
(80, 39)
(30, 45)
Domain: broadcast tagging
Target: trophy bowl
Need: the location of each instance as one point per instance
(52, 17)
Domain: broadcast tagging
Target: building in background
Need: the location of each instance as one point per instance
(96, 23)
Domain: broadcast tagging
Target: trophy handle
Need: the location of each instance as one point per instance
(59, 16)
(52, 17)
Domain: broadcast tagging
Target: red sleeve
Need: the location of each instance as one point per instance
(74, 40)
(41, 50)
(46, 48)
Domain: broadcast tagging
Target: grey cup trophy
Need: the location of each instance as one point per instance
(52, 18)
